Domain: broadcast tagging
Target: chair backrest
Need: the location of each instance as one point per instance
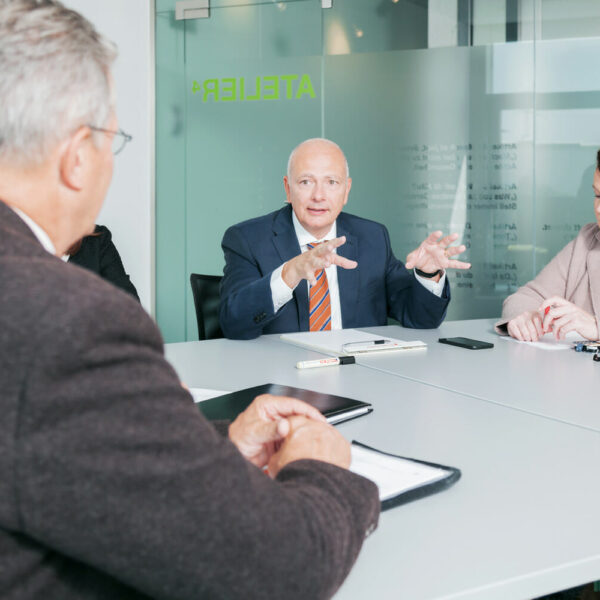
(205, 289)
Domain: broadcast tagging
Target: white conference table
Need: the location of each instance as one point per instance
(557, 384)
(522, 522)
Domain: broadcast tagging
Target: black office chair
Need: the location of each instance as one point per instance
(205, 289)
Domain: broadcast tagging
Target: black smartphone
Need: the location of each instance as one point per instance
(466, 343)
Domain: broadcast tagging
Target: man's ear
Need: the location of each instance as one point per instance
(286, 185)
(74, 157)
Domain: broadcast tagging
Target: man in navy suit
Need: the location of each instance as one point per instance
(267, 259)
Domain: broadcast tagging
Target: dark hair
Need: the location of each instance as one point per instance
(76, 247)
(598, 160)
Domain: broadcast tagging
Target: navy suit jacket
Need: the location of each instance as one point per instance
(379, 287)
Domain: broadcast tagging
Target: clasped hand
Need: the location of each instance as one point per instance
(276, 430)
(554, 314)
(434, 254)
(320, 257)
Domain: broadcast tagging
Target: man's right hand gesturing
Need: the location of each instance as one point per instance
(322, 256)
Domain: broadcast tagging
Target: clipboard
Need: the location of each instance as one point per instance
(401, 479)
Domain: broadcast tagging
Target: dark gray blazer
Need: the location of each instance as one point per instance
(112, 485)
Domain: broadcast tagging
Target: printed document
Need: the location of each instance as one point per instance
(347, 342)
(393, 475)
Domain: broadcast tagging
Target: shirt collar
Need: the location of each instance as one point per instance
(42, 237)
(304, 237)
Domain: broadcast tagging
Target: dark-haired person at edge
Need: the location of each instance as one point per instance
(97, 253)
(112, 484)
(565, 296)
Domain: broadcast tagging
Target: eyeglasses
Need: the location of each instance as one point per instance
(119, 140)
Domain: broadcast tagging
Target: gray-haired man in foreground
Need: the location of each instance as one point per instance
(111, 483)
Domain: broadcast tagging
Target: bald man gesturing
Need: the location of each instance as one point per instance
(311, 267)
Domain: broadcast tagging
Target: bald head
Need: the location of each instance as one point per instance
(315, 145)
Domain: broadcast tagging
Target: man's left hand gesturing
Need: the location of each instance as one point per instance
(434, 254)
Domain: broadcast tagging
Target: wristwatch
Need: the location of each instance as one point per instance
(428, 275)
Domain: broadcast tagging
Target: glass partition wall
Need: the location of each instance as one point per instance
(474, 116)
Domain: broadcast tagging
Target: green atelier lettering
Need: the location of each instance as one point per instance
(266, 87)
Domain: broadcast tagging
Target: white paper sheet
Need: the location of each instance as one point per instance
(549, 342)
(200, 394)
(391, 474)
(332, 342)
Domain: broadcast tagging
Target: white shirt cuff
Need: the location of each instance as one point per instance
(281, 293)
(435, 287)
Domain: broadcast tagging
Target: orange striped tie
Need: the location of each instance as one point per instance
(319, 305)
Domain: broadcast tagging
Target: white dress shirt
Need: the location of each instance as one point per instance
(281, 293)
(42, 237)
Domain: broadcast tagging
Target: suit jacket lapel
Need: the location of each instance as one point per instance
(286, 244)
(348, 279)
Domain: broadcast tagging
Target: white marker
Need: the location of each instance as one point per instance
(325, 362)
